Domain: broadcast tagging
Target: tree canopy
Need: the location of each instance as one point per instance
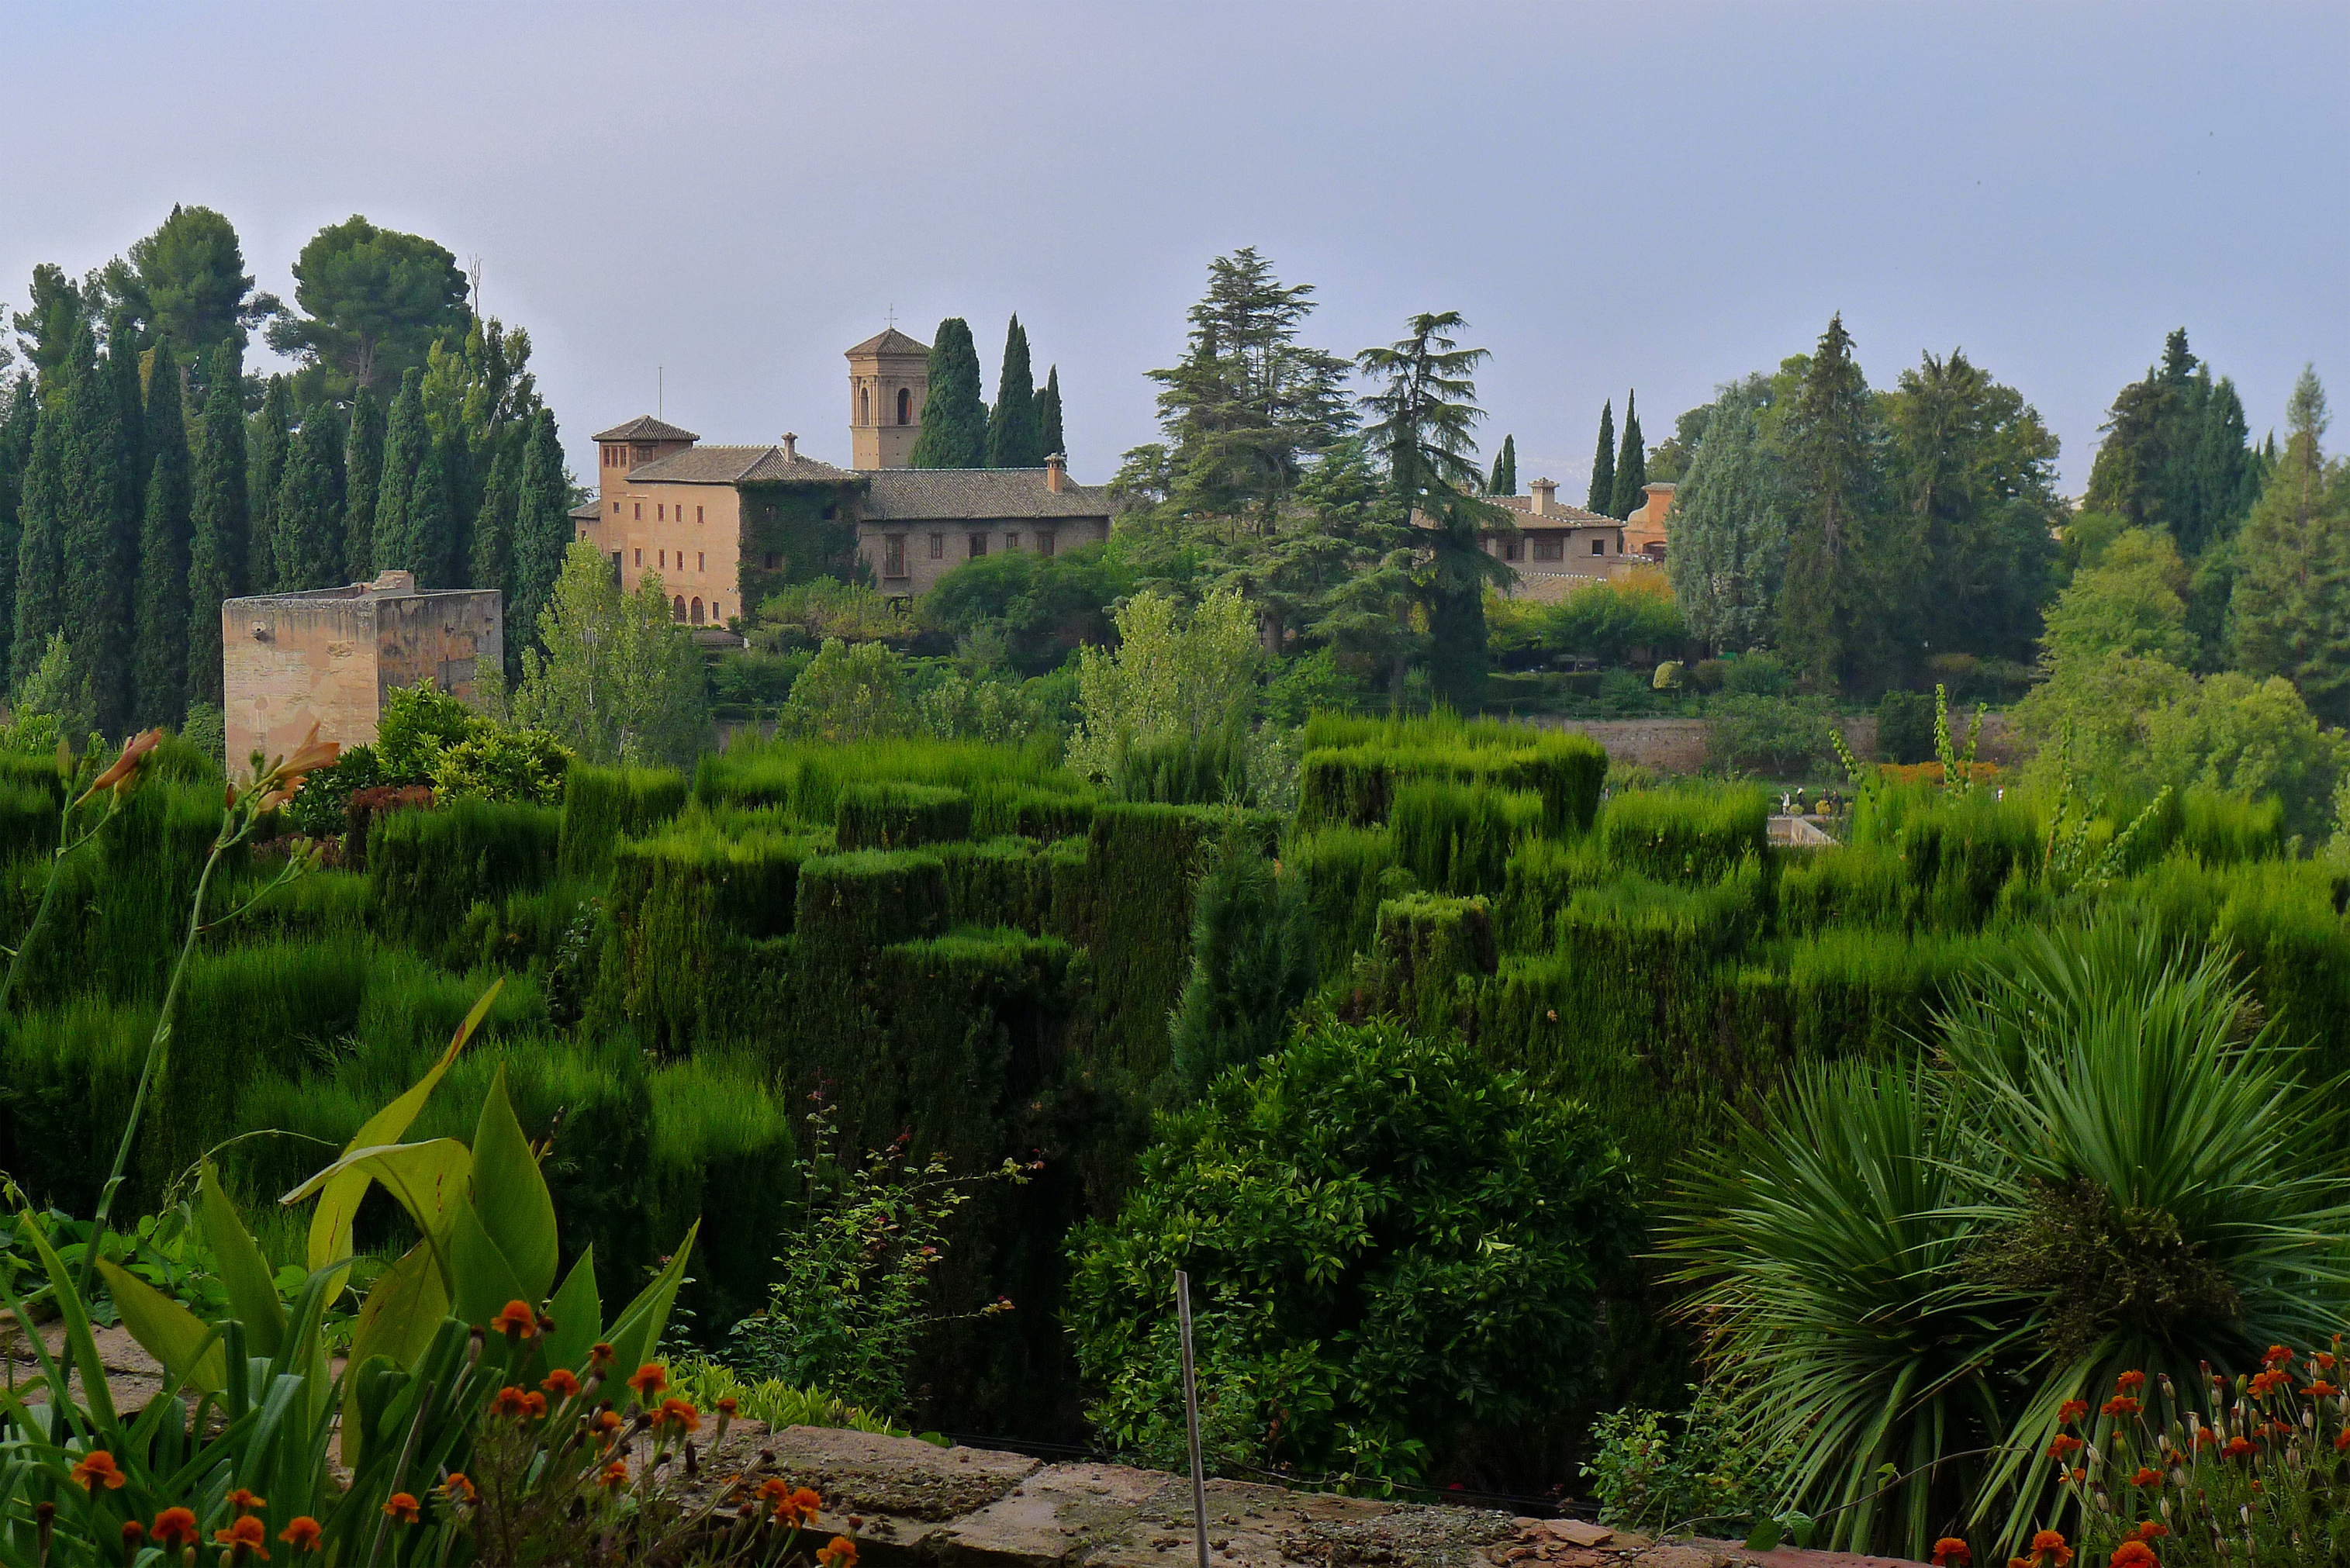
(373, 302)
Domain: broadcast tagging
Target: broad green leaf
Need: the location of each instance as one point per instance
(638, 1327)
(339, 1205)
(428, 1180)
(252, 1294)
(510, 1195)
(578, 1315)
(484, 1281)
(167, 1331)
(1765, 1536)
(83, 1350)
(402, 1313)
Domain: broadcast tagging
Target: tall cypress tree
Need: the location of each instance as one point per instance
(1014, 439)
(97, 584)
(492, 545)
(40, 559)
(273, 436)
(1603, 463)
(308, 552)
(433, 524)
(1048, 415)
(160, 618)
(18, 413)
(954, 420)
(407, 442)
(542, 535)
(362, 476)
(1504, 478)
(1824, 612)
(123, 375)
(1631, 465)
(221, 518)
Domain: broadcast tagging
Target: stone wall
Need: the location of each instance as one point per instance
(1679, 746)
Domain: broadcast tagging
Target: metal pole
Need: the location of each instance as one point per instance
(1192, 1417)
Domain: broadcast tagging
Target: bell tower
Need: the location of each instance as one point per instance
(888, 377)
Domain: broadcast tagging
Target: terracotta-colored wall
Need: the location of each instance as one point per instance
(691, 535)
(876, 439)
(922, 573)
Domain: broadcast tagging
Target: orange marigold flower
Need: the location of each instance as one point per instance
(2079, 1475)
(2152, 1530)
(244, 1502)
(2321, 1389)
(513, 1320)
(2205, 1437)
(839, 1553)
(2049, 1550)
(677, 1414)
(600, 1358)
(560, 1383)
(302, 1535)
(459, 1487)
(403, 1507)
(607, 1421)
(244, 1534)
(796, 1506)
(2072, 1411)
(2019, 1563)
(2119, 1405)
(511, 1401)
(727, 1406)
(614, 1475)
(2263, 1384)
(2064, 1444)
(2147, 1476)
(2129, 1383)
(2324, 1359)
(533, 1405)
(133, 1532)
(175, 1526)
(1951, 1552)
(2134, 1555)
(97, 1471)
(2238, 1448)
(648, 1380)
(2278, 1356)
(2341, 1439)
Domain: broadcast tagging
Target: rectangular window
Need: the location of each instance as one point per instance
(660, 512)
(1550, 549)
(640, 512)
(1043, 544)
(1599, 547)
(697, 514)
(664, 560)
(1012, 541)
(641, 557)
(893, 556)
(583, 536)
(937, 546)
(714, 616)
(774, 560)
(701, 561)
(978, 545)
(616, 509)
(1514, 549)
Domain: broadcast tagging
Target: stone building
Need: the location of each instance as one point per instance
(723, 527)
(1645, 532)
(1557, 547)
(330, 656)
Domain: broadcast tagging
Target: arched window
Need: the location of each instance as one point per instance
(677, 611)
(697, 611)
(905, 405)
(864, 405)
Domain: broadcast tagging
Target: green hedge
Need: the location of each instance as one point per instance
(1859, 885)
(1202, 770)
(1456, 838)
(1001, 810)
(1431, 950)
(70, 1076)
(1690, 835)
(603, 806)
(721, 1152)
(899, 816)
(1356, 783)
(428, 867)
(998, 882)
(807, 777)
(1959, 853)
(28, 820)
(1348, 872)
(697, 915)
(1538, 884)
(849, 908)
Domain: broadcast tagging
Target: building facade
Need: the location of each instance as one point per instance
(1646, 530)
(889, 378)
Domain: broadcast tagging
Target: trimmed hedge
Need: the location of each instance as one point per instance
(998, 882)
(28, 820)
(1538, 884)
(1690, 835)
(1858, 885)
(721, 1152)
(1431, 951)
(1201, 770)
(998, 811)
(849, 908)
(603, 806)
(807, 777)
(428, 867)
(1348, 872)
(696, 915)
(1457, 838)
(899, 816)
(1356, 783)
(67, 1079)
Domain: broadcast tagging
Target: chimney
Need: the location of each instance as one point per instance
(1545, 496)
(1057, 472)
(791, 447)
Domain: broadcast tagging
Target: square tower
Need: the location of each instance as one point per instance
(888, 377)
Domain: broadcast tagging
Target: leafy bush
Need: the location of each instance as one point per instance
(524, 767)
(1904, 727)
(1394, 1245)
(1699, 1469)
(1779, 737)
(1251, 963)
(1035, 608)
(1758, 675)
(1607, 622)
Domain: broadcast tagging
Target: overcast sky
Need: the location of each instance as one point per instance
(1630, 196)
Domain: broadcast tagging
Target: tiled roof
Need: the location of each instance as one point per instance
(737, 465)
(587, 512)
(889, 340)
(922, 495)
(1559, 516)
(644, 427)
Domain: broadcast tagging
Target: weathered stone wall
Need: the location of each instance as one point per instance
(1679, 746)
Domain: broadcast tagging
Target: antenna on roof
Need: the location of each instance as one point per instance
(661, 391)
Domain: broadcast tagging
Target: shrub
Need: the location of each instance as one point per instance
(1211, 768)
(1697, 836)
(899, 816)
(1347, 872)
(690, 907)
(1779, 737)
(1758, 675)
(1658, 1472)
(722, 1153)
(1445, 1278)
(428, 867)
(997, 810)
(1456, 838)
(1904, 727)
(1429, 951)
(1251, 963)
(496, 763)
(603, 806)
(997, 882)
(1356, 783)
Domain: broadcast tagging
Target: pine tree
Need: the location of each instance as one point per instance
(308, 553)
(954, 421)
(433, 523)
(1603, 463)
(362, 477)
(1048, 415)
(18, 415)
(1631, 465)
(273, 438)
(1504, 480)
(1824, 613)
(220, 518)
(406, 445)
(492, 542)
(40, 559)
(160, 620)
(96, 584)
(1014, 439)
(542, 534)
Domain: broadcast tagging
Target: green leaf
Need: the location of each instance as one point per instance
(1765, 1536)
(252, 1294)
(402, 1313)
(578, 1315)
(167, 1331)
(510, 1195)
(83, 1350)
(331, 1224)
(638, 1327)
(482, 1278)
(427, 1179)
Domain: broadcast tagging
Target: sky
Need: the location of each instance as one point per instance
(697, 207)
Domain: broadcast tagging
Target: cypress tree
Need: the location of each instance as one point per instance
(219, 520)
(1631, 465)
(1824, 613)
(1014, 438)
(1048, 414)
(129, 403)
(1504, 480)
(406, 445)
(432, 523)
(273, 434)
(1603, 463)
(308, 553)
(492, 545)
(362, 474)
(17, 416)
(542, 535)
(954, 420)
(158, 672)
(96, 584)
(40, 562)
